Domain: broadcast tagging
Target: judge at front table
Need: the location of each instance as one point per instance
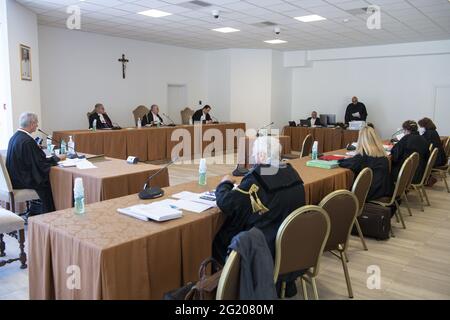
(202, 115)
(99, 114)
(27, 164)
(356, 111)
(153, 117)
(314, 121)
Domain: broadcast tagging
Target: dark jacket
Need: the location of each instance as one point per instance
(354, 108)
(382, 185)
(318, 123)
(432, 136)
(404, 148)
(148, 119)
(281, 193)
(197, 116)
(256, 276)
(100, 125)
(27, 164)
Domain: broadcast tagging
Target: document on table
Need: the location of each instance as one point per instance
(197, 197)
(157, 211)
(81, 164)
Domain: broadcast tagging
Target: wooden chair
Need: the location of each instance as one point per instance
(186, 115)
(139, 113)
(442, 171)
(12, 224)
(420, 187)
(342, 207)
(306, 146)
(228, 288)
(399, 191)
(88, 115)
(361, 188)
(299, 245)
(10, 195)
(415, 158)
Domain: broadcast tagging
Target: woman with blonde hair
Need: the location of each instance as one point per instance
(370, 154)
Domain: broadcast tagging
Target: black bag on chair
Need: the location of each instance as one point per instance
(375, 222)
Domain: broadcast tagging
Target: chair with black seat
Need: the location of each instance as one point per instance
(228, 288)
(299, 246)
(342, 207)
(361, 188)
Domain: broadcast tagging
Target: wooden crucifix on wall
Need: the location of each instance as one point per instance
(124, 62)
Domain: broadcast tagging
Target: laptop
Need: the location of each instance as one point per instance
(304, 123)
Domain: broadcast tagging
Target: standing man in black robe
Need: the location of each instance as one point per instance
(27, 164)
(356, 111)
(99, 114)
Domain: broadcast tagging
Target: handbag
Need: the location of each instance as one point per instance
(204, 289)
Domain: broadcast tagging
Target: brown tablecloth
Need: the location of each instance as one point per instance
(328, 138)
(123, 258)
(112, 178)
(146, 143)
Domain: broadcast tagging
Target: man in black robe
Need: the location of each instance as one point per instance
(314, 120)
(202, 115)
(99, 114)
(27, 164)
(152, 117)
(356, 111)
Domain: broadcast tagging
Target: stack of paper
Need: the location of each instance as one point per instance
(158, 211)
(322, 164)
(205, 197)
(81, 164)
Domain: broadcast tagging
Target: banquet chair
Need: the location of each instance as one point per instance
(399, 191)
(88, 115)
(342, 207)
(228, 287)
(139, 113)
(415, 158)
(420, 187)
(10, 195)
(186, 115)
(442, 171)
(361, 188)
(12, 224)
(306, 146)
(299, 246)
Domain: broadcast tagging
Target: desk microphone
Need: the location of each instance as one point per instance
(75, 155)
(150, 192)
(265, 127)
(215, 119)
(173, 122)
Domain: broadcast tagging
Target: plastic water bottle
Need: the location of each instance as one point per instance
(78, 195)
(202, 172)
(49, 143)
(94, 125)
(71, 145)
(315, 150)
(63, 149)
(139, 123)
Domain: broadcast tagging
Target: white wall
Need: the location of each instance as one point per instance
(80, 69)
(281, 91)
(22, 29)
(219, 83)
(396, 86)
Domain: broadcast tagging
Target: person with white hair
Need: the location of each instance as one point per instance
(28, 165)
(264, 198)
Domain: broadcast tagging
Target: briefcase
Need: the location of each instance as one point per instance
(375, 222)
(204, 289)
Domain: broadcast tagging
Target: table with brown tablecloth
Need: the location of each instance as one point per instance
(112, 178)
(328, 138)
(153, 143)
(124, 258)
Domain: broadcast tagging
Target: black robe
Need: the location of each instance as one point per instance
(281, 193)
(148, 119)
(382, 185)
(100, 125)
(433, 138)
(404, 148)
(29, 168)
(318, 123)
(197, 116)
(354, 108)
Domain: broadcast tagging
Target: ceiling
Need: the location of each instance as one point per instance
(401, 21)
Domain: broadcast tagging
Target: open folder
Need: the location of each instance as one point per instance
(157, 211)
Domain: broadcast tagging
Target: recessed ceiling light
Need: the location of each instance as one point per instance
(226, 30)
(310, 18)
(275, 41)
(347, 20)
(155, 13)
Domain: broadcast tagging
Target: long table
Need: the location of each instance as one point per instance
(153, 143)
(112, 178)
(328, 138)
(119, 257)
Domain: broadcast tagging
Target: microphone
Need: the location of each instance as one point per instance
(266, 126)
(154, 192)
(173, 122)
(75, 155)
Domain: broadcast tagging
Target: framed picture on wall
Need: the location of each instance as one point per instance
(25, 62)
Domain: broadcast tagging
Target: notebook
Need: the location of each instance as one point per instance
(322, 164)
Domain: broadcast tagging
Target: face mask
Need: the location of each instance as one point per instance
(421, 131)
